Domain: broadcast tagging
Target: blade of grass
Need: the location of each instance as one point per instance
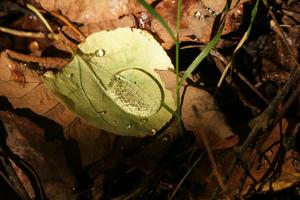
(151, 10)
(207, 49)
(240, 44)
(178, 98)
(41, 17)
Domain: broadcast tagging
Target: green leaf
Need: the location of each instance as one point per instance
(111, 82)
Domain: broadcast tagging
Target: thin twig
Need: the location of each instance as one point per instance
(241, 76)
(26, 33)
(13, 177)
(262, 121)
(281, 33)
(229, 80)
(289, 102)
(10, 184)
(185, 176)
(214, 165)
(47, 62)
(69, 24)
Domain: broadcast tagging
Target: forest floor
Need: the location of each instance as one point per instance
(239, 136)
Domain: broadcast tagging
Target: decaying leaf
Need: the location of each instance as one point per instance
(197, 22)
(274, 168)
(93, 11)
(27, 140)
(111, 83)
(31, 93)
(201, 115)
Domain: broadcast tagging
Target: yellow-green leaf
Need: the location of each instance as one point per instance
(111, 82)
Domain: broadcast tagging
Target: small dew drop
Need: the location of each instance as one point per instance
(144, 120)
(99, 52)
(197, 14)
(165, 139)
(153, 131)
(129, 126)
(70, 75)
(114, 122)
(102, 112)
(32, 17)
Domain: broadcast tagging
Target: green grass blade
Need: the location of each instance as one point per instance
(203, 53)
(159, 18)
(178, 97)
(175, 39)
(240, 44)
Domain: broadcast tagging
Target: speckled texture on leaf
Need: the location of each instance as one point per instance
(113, 85)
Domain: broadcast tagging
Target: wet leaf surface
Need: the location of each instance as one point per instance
(69, 159)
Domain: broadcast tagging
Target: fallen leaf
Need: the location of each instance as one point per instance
(92, 11)
(27, 140)
(112, 83)
(269, 151)
(201, 115)
(197, 22)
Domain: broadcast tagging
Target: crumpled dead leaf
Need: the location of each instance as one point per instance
(92, 11)
(197, 22)
(31, 92)
(201, 115)
(27, 140)
(198, 19)
(34, 95)
(270, 150)
(199, 111)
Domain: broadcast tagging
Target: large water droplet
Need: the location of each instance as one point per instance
(132, 96)
(99, 52)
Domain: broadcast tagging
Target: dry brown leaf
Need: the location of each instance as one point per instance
(27, 140)
(198, 18)
(92, 11)
(34, 95)
(200, 114)
(30, 92)
(290, 170)
(126, 21)
(197, 22)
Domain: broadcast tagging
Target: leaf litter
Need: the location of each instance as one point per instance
(91, 158)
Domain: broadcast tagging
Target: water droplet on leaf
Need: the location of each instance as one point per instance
(70, 75)
(129, 126)
(144, 120)
(197, 14)
(165, 139)
(102, 112)
(153, 131)
(99, 52)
